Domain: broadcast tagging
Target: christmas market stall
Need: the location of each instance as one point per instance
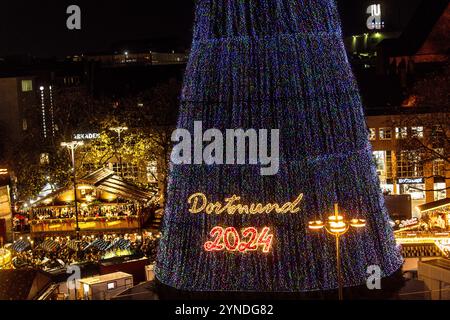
(436, 214)
(105, 203)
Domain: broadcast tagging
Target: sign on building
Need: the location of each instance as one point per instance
(411, 181)
(86, 136)
(375, 22)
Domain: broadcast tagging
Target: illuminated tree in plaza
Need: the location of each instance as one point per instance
(273, 64)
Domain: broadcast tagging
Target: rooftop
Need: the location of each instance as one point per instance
(397, 110)
(441, 263)
(106, 278)
(420, 28)
(22, 284)
(435, 205)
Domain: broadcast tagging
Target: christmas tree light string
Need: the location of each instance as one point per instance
(275, 64)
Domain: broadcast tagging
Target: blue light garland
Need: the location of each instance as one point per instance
(276, 64)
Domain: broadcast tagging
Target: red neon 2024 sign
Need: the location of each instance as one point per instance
(228, 239)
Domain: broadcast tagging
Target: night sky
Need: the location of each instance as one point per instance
(39, 27)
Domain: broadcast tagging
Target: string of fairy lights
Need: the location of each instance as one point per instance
(274, 64)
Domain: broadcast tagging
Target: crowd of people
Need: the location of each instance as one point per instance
(85, 212)
(66, 251)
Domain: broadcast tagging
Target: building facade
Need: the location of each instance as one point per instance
(404, 171)
(128, 58)
(19, 96)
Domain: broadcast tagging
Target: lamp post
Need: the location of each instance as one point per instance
(337, 227)
(72, 146)
(119, 131)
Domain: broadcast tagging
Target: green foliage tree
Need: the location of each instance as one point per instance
(150, 116)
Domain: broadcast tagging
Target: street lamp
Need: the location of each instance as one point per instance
(72, 146)
(337, 227)
(119, 131)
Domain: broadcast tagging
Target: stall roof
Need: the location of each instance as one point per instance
(106, 180)
(21, 245)
(434, 205)
(106, 278)
(22, 284)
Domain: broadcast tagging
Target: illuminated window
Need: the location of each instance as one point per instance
(385, 133)
(439, 168)
(438, 132)
(409, 165)
(27, 85)
(24, 125)
(401, 133)
(126, 170)
(439, 165)
(152, 171)
(372, 134)
(389, 173)
(112, 285)
(440, 191)
(45, 158)
(380, 162)
(416, 191)
(417, 132)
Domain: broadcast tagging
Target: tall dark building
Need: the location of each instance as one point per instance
(19, 97)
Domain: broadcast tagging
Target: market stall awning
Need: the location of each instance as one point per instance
(106, 180)
(76, 245)
(120, 243)
(49, 245)
(99, 244)
(441, 204)
(21, 246)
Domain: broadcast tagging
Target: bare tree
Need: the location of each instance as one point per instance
(424, 137)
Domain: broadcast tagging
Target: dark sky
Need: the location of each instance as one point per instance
(39, 27)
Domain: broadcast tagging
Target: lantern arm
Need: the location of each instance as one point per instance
(360, 223)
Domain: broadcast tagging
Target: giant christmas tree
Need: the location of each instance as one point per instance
(273, 64)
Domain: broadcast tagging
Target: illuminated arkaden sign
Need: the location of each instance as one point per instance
(86, 136)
